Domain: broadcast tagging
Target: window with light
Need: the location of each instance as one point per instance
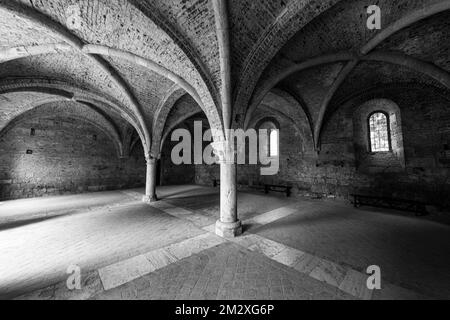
(273, 144)
(379, 132)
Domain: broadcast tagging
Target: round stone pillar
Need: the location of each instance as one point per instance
(228, 225)
(150, 183)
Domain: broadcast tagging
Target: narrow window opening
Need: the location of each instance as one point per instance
(274, 139)
(271, 146)
(379, 132)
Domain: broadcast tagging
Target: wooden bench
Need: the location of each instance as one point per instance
(264, 187)
(419, 208)
(257, 187)
(278, 188)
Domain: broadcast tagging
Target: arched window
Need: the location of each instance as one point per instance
(379, 132)
(273, 143)
(272, 149)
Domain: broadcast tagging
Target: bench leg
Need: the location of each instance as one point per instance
(356, 203)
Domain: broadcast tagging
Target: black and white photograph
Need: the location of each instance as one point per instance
(224, 156)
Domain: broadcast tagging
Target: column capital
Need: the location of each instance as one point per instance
(150, 159)
(225, 151)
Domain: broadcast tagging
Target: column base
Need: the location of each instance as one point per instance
(228, 230)
(149, 199)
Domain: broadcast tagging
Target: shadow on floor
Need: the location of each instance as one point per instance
(25, 222)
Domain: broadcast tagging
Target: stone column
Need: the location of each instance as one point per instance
(229, 225)
(150, 183)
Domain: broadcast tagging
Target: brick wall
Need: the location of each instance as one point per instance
(68, 156)
(417, 168)
(172, 174)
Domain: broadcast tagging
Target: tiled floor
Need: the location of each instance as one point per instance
(225, 272)
(300, 249)
(28, 209)
(411, 252)
(38, 254)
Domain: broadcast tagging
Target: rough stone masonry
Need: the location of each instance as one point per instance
(89, 91)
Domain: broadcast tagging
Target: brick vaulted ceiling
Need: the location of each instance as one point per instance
(134, 59)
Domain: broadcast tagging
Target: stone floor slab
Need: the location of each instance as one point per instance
(392, 292)
(207, 276)
(359, 238)
(210, 267)
(125, 271)
(160, 258)
(177, 212)
(289, 257)
(329, 272)
(307, 263)
(271, 216)
(161, 205)
(199, 220)
(267, 247)
(91, 285)
(192, 246)
(89, 240)
(210, 228)
(355, 283)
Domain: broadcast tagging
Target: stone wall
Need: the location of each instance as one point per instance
(186, 173)
(172, 174)
(64, 156)
(176, 174)
(418, 167)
